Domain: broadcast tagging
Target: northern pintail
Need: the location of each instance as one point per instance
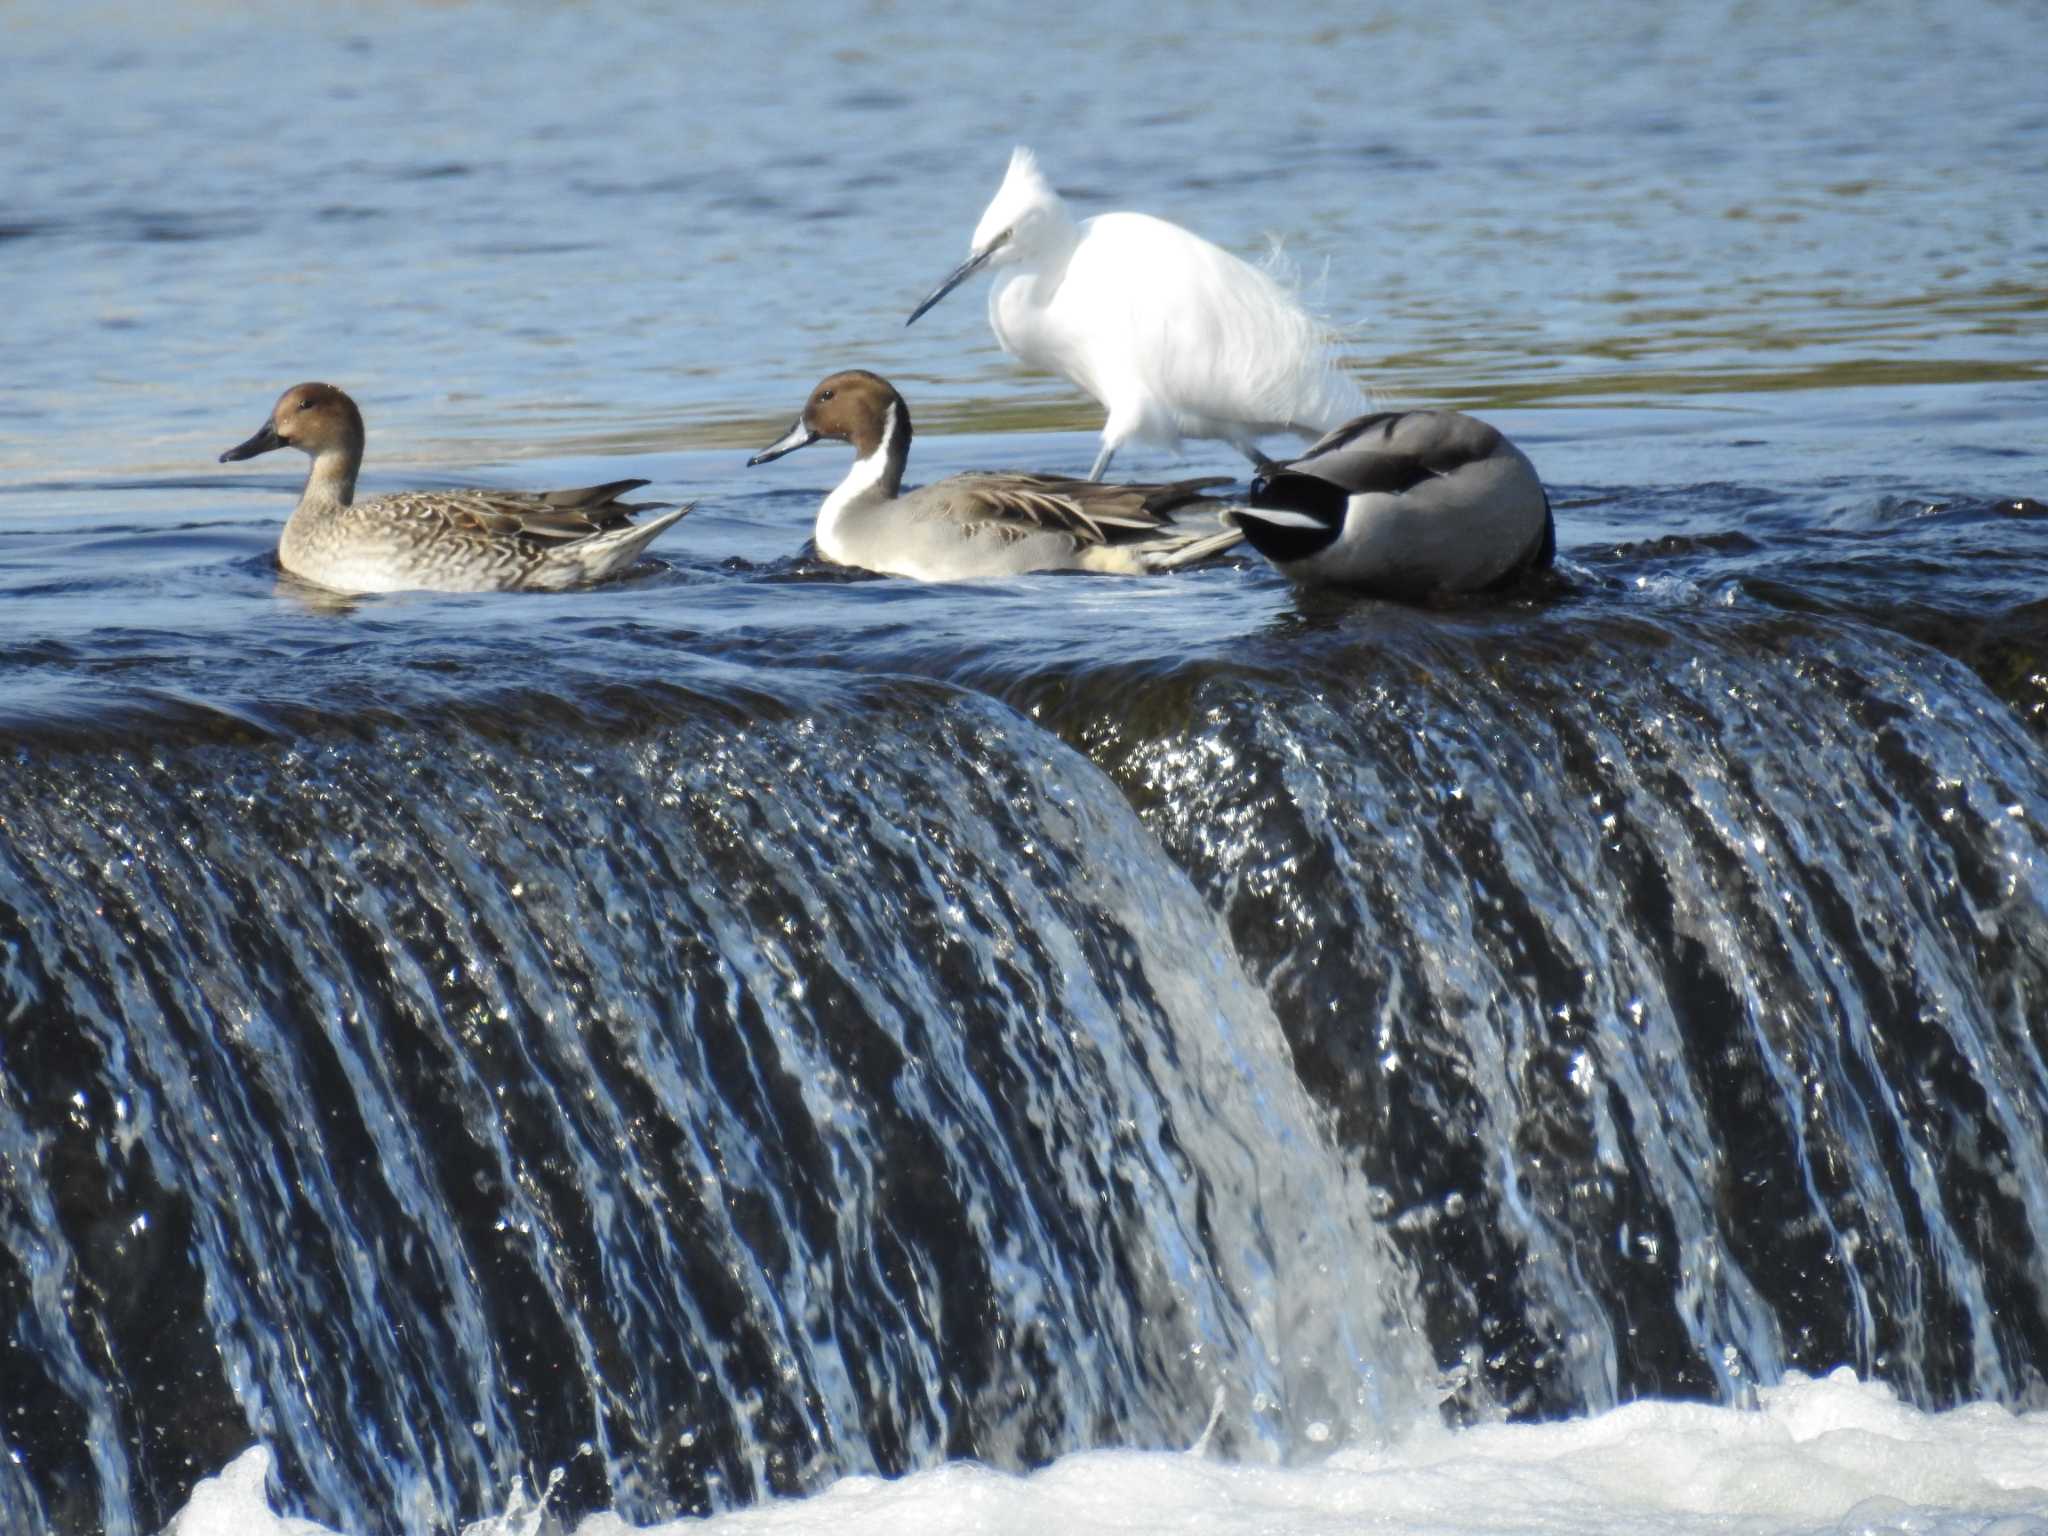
(444, 541)
(1406, 504)
(1176, 337)
(983, 524)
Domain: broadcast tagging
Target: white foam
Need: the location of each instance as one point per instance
(1829, 1457)
(233, 1503)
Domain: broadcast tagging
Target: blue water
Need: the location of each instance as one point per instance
(1633, 988)
(1774, 273)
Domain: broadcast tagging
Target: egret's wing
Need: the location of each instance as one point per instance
(1211, 336)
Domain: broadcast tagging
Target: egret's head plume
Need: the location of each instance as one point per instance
(1024, 209)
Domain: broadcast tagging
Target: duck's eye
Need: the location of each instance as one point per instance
(824, 394)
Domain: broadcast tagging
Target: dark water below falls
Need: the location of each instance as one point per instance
(709, 1086)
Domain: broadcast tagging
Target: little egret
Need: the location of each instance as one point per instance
(1406, 504)
(983, 525)
(440, 541)
(1176, 337)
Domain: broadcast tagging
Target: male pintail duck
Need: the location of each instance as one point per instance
(984, 524)
(1176, 337)
(1403, 504)
(442, 541)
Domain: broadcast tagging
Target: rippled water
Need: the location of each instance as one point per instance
(760, 1023)
(1774, 275)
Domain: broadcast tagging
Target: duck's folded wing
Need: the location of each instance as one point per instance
(1395, 451)
(588, 497)
(540, 517)
(1011, 506)
(1088, 510)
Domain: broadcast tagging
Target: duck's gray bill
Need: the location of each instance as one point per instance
(958, 275)
(798, 436)
(262, 442)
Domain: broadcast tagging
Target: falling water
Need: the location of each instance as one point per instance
(711, 1091)
(707, 1104)
(1680, 979)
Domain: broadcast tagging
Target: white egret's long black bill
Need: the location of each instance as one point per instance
(798, 436)
(262, 442)
(959, 275)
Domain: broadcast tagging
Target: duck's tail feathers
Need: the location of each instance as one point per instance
(1195, 549)
(605, 554)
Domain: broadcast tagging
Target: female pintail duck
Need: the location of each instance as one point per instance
(1404, 504)
(443, 541)
(984, 524)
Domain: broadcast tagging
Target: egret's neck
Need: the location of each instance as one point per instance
(1053, 245)
(876, 477)
(1053, 225)
(1022, 295)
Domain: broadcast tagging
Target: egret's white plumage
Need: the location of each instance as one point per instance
(1176, 337)
(1408, 504)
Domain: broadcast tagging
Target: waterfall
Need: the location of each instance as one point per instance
(708, 1090)
(1682, 980)
(706, 1107)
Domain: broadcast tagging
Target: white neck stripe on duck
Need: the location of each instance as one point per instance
(876, 476)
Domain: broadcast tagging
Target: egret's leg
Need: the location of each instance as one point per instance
(1102, 459)
(1250, 449)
